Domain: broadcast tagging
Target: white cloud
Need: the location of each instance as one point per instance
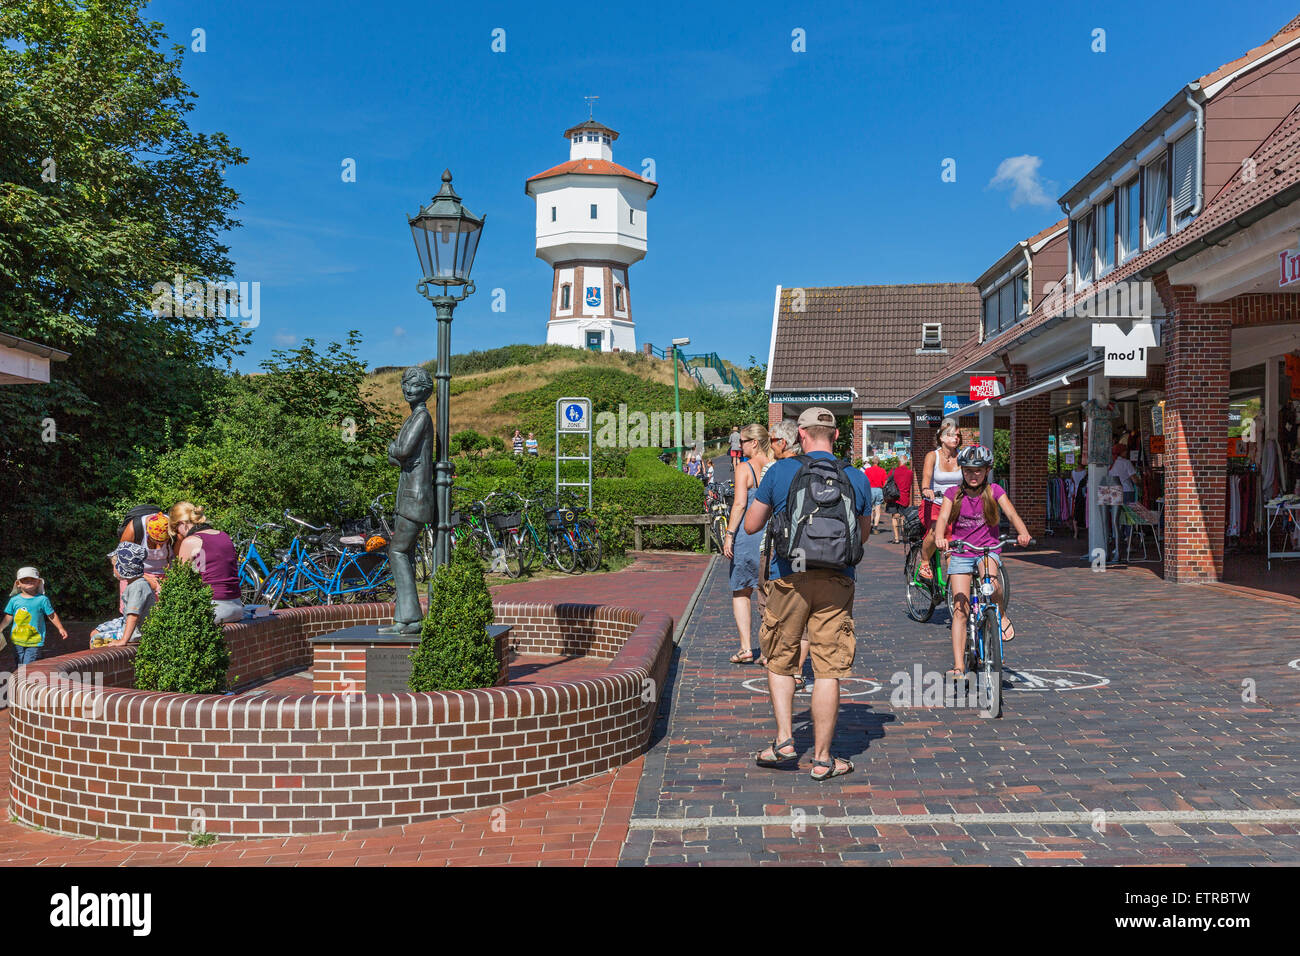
(1020, 175)
(284, 338)
(398, 331)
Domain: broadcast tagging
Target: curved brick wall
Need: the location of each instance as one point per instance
(133, 765)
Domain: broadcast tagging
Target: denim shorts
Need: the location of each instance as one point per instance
(965, 563)
(877, 496)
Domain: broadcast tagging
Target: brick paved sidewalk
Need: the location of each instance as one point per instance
(1127, 698)
(585, 823)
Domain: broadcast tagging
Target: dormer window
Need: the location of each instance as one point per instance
(931, 336)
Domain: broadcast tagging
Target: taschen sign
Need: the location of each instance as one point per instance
(986, 386)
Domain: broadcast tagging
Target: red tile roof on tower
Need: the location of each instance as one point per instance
(592, 167)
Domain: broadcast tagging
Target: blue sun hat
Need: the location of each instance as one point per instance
(129, 558)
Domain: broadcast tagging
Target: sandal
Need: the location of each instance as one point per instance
(925, 573)
(800, 684)
(778, 759)
(832, 770)
(1008, 631)
(955, 673)
(743, 657)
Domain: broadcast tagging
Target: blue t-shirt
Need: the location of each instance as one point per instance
(775, 488)
(29, 614)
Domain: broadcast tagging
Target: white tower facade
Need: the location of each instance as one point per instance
(591, 226)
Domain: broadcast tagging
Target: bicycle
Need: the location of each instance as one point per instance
(298, 573)
(984, 627)
(253, 569)
(585, 535)
(923, 596)
(719, 512)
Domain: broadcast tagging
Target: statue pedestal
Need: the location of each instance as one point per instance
(360, 660)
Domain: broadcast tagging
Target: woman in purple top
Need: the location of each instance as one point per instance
(974, 503)
(213, 555)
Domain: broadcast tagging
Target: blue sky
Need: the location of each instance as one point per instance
(799, 168)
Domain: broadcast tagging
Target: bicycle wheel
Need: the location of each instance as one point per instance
(273, 588)
(991, 672)
(591, 547)
(511, 558)
(251, 583)
(560, 554)
(718, 529)
(920, 599)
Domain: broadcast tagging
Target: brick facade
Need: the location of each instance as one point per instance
(1031, 422)
(775, 412)
(132, 765)
(1198, 346)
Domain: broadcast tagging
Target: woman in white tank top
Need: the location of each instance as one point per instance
(939, 473)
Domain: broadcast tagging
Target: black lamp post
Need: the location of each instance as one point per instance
(446, 237)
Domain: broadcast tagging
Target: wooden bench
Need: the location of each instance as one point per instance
(643, 521)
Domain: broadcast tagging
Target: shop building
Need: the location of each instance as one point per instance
(1181, 249)
(858, 350)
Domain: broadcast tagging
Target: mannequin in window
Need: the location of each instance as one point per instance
(1101, 419)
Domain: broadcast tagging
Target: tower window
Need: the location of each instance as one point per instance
(618, 297)
(593, 210)
(564, 297)
(631, 215)
(552, 214)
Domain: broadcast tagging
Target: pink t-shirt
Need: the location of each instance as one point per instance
(970, 526)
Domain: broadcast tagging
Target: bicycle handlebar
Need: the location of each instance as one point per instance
(304, 523)
(962, 547)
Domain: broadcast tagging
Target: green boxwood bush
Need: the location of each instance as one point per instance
(182, 648)
(455, 651)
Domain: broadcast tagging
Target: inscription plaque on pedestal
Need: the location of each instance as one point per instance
(388, 670)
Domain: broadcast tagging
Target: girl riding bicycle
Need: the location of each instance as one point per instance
(974, 502)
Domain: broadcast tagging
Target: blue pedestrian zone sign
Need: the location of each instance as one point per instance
(593, 296)
(573, 414)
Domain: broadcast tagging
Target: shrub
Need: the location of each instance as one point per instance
(182, 648)
(455, 651)
(467, 441)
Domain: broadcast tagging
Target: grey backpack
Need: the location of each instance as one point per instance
(819, 527)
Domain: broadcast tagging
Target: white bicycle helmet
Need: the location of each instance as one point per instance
(975, 456)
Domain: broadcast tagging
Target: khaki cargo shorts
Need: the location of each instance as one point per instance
(821, 601)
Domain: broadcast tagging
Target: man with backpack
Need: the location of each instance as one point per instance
(820, 513)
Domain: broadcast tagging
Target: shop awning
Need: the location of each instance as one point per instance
(1058, 380)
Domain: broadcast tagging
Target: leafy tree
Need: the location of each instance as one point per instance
(182, 647)
(330, 388)
(749, 405)
(105, 192)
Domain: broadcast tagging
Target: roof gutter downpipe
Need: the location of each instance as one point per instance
(1199, 110)
(1069, 237)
